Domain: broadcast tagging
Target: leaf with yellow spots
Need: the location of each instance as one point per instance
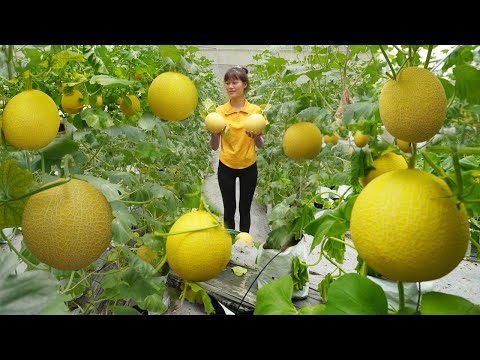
(239, 271)
(196, 294)
(14, 183)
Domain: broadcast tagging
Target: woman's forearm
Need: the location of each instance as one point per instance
(215, 141)
(259, 141)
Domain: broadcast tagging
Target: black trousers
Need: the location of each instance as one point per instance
(248, 181)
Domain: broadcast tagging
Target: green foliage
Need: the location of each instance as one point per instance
(324, 285)
(139, 282)
(29, 293)
(196, 294)
(275, 298)
(467, 85)
(435, 303)
(332, 223)
(352, 294)
(14, 183)
(299, 274)
(152, 171)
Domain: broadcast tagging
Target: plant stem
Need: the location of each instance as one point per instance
(320, 255)
(401, 296)
(42, 155)
(28, 83)
(465, 150)
(453, 97)
(413, 158)
(66, 164)
(45, 187)
(184, 293)
(187, 231)
(69, 282)
(131, 202)
(334, 263)
(93, 156)
(159, 266)
(388, 62)
(434, 166)
(323, 98)
(446, 57)
(27, 160)
(476, 201)
(341, 241)
(340, 199)
(24, 259)
(399, 50)
(458, 173)
(8, 49)
(429, 54)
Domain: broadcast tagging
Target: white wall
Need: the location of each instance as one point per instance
(226, 56)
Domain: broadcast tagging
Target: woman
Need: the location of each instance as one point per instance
(237, 153)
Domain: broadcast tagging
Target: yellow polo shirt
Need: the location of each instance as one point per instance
(237, 149)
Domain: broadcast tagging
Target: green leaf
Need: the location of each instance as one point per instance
(312, 310)
(97, 119)
(330, 223)
(167, 196)
(58, 306)
(123, 310)
(359, 109)
(279, 238)
(313, 114)
(335, 249)
(448, 87)
(352, 294)
(106, 80)
(147, 122)
(62, 58)
(139, 282)
(133, 133)
(150, 151)
(469, 163)
(275, 298)
(196, 294)
(324, 286)
(436, 303)
(299, 274)
(361, 164)
(111, 191)
(59, 147)
(467, 83)
(14, 183)
(27, 293)
(124, 177)
(122, 223)
(297, 48)
(239, 271)
(170, 51)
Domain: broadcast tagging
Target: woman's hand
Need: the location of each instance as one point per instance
(252, 135)
(215, 139)
(221, 132)
(257, 138)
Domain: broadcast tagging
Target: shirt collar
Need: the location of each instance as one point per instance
(247, 108)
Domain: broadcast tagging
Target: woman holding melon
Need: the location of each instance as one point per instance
(241, 134)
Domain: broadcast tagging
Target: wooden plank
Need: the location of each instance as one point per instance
(231, 290)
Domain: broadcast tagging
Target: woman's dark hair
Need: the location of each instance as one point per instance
(237, 73)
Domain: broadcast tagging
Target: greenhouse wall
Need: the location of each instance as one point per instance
(225, 56)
